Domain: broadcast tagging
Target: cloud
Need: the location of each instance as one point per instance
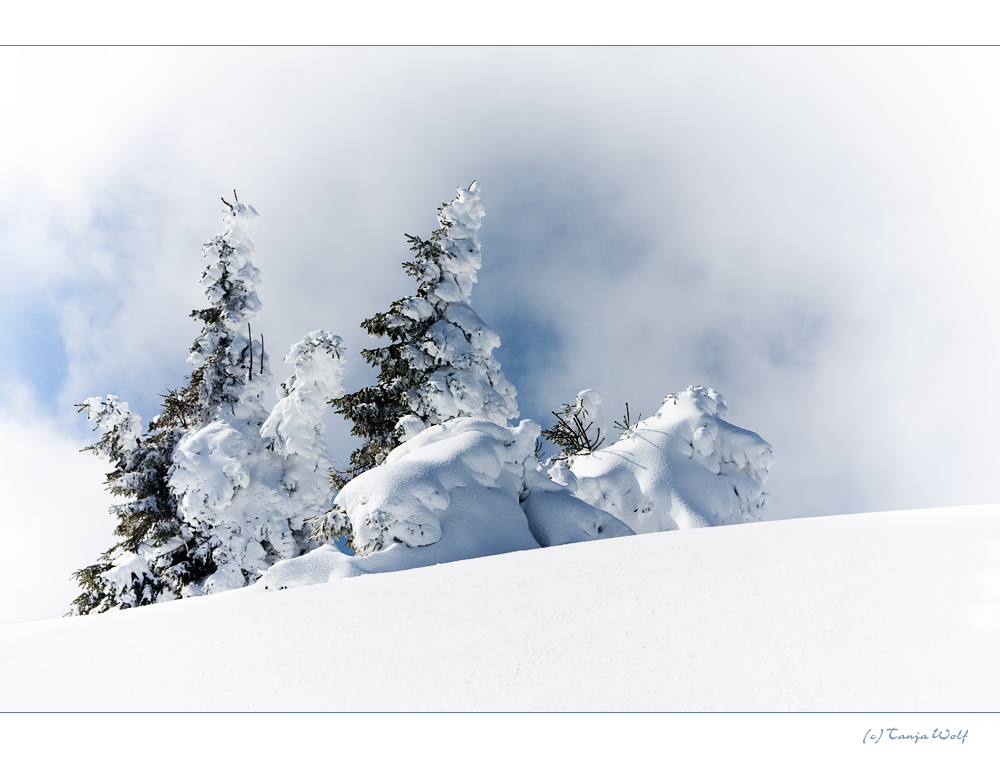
(54, 513)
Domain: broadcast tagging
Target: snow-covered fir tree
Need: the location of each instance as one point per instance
(212, 502)
(295, 426)
(439, 364)
(231, 489)
(230, 367)
(157, 554)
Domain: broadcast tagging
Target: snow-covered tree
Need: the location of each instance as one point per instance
(295, 426)
(230, 487)
(231, 372)
(157, 554)
(439, 364)
(212, 502)
(683, 467)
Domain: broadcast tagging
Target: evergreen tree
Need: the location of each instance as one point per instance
(439, 364)
(157, 554)
(295, 426)
(231, 370)
(227, 483)
(211, 506)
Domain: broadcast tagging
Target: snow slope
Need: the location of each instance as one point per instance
(891, 611)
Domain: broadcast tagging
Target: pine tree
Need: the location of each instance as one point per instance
(231, 370)
(157, 554)
(439, 364)
(230, 487)
(210, 505)
(295, 427)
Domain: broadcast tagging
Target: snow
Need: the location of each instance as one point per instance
(449, 493)
(462, 489)
(125, 566)
(470, 488)
(231, 487)
(296, 428)
(891, 611)
(684, 467)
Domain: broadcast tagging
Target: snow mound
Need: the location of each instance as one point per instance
(684, 467)
(557, 517)
(462, 489)
(470, 487)
(451, 492)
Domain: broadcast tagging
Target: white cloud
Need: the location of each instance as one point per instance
(54, 513)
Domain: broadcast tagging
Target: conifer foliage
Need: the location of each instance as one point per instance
(228, 485)
(579, 428)
(295, 426)
(212, 503)
(230, 368)
(439, 364)
(157, 554)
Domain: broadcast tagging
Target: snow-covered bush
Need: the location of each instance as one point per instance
(579, 427)
(684, 467)
(440, 363)
(470, 487)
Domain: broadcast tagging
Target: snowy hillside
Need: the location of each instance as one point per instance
(895, 611)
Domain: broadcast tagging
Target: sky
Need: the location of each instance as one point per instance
(809, 231)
